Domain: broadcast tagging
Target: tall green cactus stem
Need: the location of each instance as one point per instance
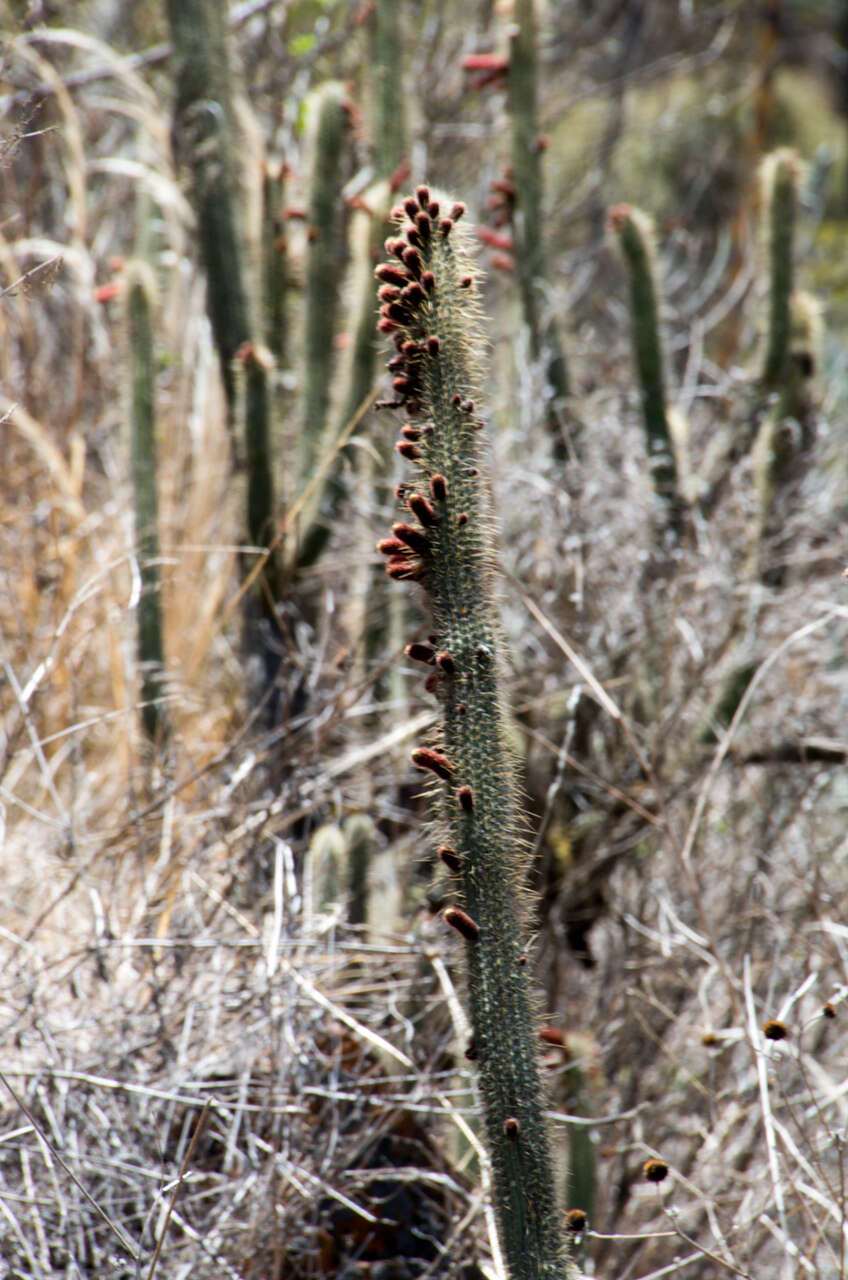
(527, 149)
(260, 485)
(634, 232)
(388, 107)
(781, 173)
(367, 231)
(203, 140)
(360, 841)
(323, 267)
(140, 295)
(430, 309)
(274, 261)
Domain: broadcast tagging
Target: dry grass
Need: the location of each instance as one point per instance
(205, 1070)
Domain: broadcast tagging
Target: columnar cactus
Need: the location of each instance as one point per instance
(140, 293)
(274, 260)
(780, 178)
(322, 268)
(527, 147)
(203, 138)
(634, 233)
(444, 541)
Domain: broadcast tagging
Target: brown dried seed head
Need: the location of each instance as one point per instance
(427, 758)
(462, 922)
(775, 1030)
(655, 1170)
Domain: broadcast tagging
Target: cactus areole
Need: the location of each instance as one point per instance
(430, 310)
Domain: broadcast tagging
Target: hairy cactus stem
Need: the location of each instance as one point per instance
(474, 774)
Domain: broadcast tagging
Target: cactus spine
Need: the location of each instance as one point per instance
(634, 232)
(322, 269)
(140, 294)
(429, 307)
(527, 180)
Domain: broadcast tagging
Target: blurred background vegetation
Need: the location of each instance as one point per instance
(231, 1041)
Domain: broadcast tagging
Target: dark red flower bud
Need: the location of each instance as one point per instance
(439, 487)
(445, 662)
(446, 226)
(428, 280)
(410, 207)
(462, 518)
(463, 923)
(395, 246)
(409, 432)
(422, 223)
(426, 758)
(413, 294)
(391, 547)
(511, 1128)
(412, 261)
(422, 195)
(450, 858)
(412, 537)
(420, 652)
(466, 282)
(465, 796)
(391, 275)
(552, 1035)
(407, 449)
(456, 212)
(433, 208)
(434, 344)
(401, 568)
(424, 510)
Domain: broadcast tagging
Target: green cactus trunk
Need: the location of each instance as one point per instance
(360, 374)
(388, 107)
(634, 232)
(545, 343)
(781, 173)
(274, 261)
(203, 132)
(140, 292)
(430, 308)
(322, 270)
(203, 140)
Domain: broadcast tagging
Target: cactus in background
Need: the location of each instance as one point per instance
(203, 136)
(360, 836)
(781, 173)
(527, 149)
(634, 233)
(322, 269)
(367, 230)
(203, 140)
(444, 541)
(274, 260)
(388, 105)
(140, 294)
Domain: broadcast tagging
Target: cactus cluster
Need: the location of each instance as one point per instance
(444, 541)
